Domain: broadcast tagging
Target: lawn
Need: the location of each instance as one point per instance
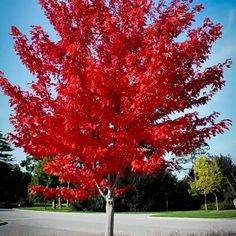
(188, 214)
(48, 208)
(198, 214)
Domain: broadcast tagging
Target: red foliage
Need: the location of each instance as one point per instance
(104, 95)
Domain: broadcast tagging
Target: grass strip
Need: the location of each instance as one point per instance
(198, 214)
(187, 214)
(50, 209)
(40, 208)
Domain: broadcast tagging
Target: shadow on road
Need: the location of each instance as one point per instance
(3, 223)
(5, 209)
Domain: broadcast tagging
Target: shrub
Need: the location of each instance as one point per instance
(224, 205)
(95, 204)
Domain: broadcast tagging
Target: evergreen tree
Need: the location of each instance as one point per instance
(5, 150)
(13, 185)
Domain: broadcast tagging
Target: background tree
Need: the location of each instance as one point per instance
(5, 150)
(228, 169)
(106, 90)
(191, 158)
(209, 178)
(29, 163)
(184, 200)
(13, 185)
(155, 192)
(39, 177)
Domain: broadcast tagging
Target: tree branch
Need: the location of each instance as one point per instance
(100, 190)
(230, 185)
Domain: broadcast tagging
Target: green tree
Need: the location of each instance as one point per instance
(191, 158)
(183, 198)
(40, 177)
(5, 150)
(209, 178)
(13, 185)
(154, 192)
(29, 163)
(228, 169)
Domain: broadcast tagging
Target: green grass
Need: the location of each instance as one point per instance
(198, 214)
(48, 208)
(188, 214)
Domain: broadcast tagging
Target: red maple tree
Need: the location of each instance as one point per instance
(109, 96)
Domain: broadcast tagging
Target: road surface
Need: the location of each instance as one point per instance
(32, 223)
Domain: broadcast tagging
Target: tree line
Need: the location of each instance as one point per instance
(210, 179)
(14, 182)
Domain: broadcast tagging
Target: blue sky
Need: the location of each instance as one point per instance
(27, 12)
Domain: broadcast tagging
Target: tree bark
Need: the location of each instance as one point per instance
(109, 230)
(67, 203)
(217, 206)
(231, 186)
(53, 204)
(205, 201)
(59, 203)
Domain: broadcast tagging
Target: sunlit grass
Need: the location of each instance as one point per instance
(188, 214)
(48, 208)
(198, 214)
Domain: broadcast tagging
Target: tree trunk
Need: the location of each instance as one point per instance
(53, 204)
(67, 201)
(194, 173)
(217, 206)
(109, 230)
(167, 205)
(59, 202)
(205, 201)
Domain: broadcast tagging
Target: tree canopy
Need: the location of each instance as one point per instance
(109, 96)
(228, 169)
(108, 87)
(209, 177)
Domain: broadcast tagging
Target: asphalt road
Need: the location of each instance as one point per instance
(32, 223)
